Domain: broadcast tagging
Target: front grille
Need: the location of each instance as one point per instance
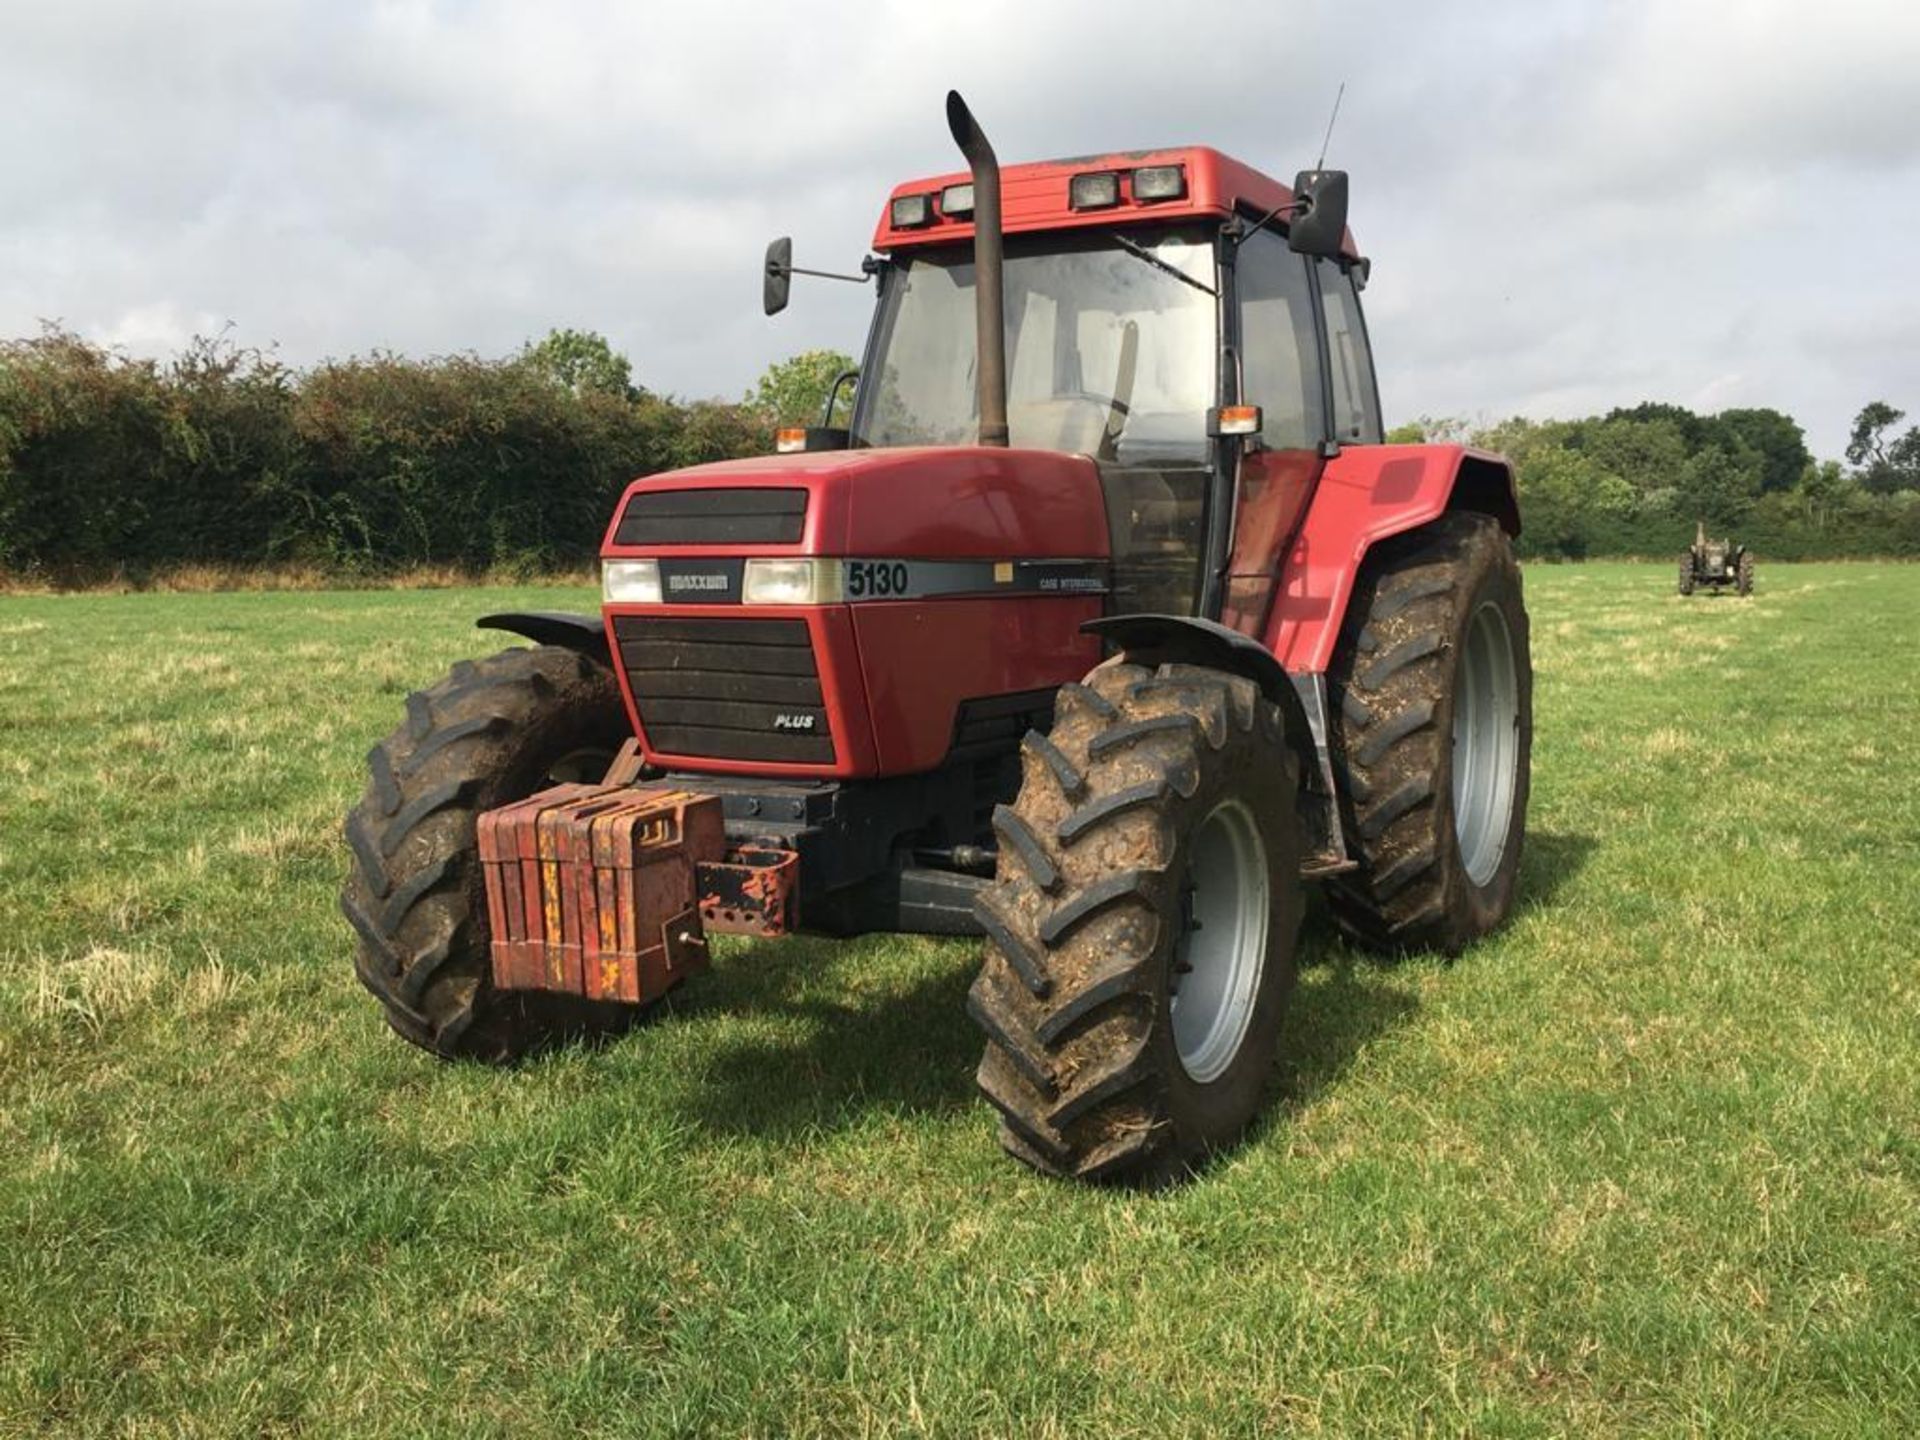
(712, 517)
(727, 689)
(995, 724)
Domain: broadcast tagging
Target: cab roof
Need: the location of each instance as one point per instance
(1033, 196)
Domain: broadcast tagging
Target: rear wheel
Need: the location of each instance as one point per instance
(1433, 691)
(494, 731)
(1743, 576)
(1141, 929)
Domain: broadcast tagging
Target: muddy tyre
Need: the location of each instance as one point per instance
(493, 731)
(1432, 696)
(1686, 573)
(1743, 576)
(1141, 927)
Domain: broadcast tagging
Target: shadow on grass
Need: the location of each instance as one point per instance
(1344, 1002)
(856, 1046)
(1547, 864)
(1348, 998)
(823, 1034)
(914, 1053)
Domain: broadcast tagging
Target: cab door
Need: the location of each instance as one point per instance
(1277, 340)
(1354, 394)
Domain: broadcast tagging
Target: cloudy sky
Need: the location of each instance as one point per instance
(1571, 204)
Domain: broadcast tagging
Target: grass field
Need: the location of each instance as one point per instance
(1646, 1162)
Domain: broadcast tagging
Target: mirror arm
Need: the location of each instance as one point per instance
(818, 274)
(1245, 233)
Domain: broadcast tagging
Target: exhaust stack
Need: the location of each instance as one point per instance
(990, 318)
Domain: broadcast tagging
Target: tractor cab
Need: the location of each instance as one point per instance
(1170, 315)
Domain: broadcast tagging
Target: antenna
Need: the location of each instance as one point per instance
(1320, 164)
(1298, 204)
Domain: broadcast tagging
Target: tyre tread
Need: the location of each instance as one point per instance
(1390, 741)
(413, 886)
(1071, 988)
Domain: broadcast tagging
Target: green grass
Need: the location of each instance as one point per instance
(1646, 1162)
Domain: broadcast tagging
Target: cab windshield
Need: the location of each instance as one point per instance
(1109, 353)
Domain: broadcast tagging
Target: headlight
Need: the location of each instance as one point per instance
(1097, 190)
(1159, 182)
(792, 582)
(630, 582)
(911, 211)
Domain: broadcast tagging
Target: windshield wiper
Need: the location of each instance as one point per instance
(1133, 247)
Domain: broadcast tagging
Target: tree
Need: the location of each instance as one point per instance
(1822, 490)
(1562, 493)
(1719, 485)
(1881, 465)
(1650, 455)
(1432, 430)
(1569, 498)
(584, 362)
(1865, 446)
(710, 430)
(1692, 426)
(1780, 444)
(1903, 458)
(794, 391)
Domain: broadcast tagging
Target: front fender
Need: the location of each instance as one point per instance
(1189, 640)
(586, 634)
(1302, 698)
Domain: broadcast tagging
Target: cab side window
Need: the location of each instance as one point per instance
(1356, 404)
(1278, 358)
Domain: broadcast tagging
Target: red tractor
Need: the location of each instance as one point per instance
(1106, 621)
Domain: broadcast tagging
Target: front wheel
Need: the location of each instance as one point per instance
(1433, 690)
(1743, 576)
(493, 732)
(1686, 573)
(1141, 928)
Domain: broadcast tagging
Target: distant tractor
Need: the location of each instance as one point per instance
(1715, 564)
(1106, 621)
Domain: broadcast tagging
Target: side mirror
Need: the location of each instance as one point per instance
(778, 279)
(1321, 224)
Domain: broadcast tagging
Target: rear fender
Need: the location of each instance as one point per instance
(1366, 494)
(586, 634)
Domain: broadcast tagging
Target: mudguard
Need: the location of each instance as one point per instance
(1366, 494)
(584, 633)
(1186, 639)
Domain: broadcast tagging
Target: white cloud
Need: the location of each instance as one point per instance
(1572, 203)
(161, 328)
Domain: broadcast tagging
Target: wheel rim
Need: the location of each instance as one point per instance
(1223, 948)
(1486, 743)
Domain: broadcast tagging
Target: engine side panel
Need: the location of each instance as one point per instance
(1366, 494)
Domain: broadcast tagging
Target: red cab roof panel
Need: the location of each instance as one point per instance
(1034, 197)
